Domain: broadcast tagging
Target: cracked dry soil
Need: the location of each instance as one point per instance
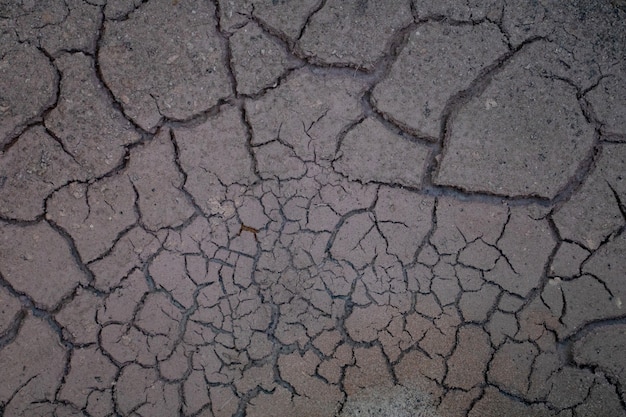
(312, 208)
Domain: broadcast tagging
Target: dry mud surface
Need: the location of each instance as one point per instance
(312, 208)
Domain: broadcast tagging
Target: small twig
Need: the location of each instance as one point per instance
(250, 229)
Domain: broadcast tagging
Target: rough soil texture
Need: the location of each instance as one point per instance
(322, 208)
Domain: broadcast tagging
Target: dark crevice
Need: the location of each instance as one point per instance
(11, 332)
(618, 200)
(315, 10)
(460, 99)
(72, 247)
(113, 101)
(249, 138)
(129, 13)
(189, 197)
(13, 137)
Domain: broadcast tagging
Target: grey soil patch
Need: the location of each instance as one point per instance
(317, 208)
